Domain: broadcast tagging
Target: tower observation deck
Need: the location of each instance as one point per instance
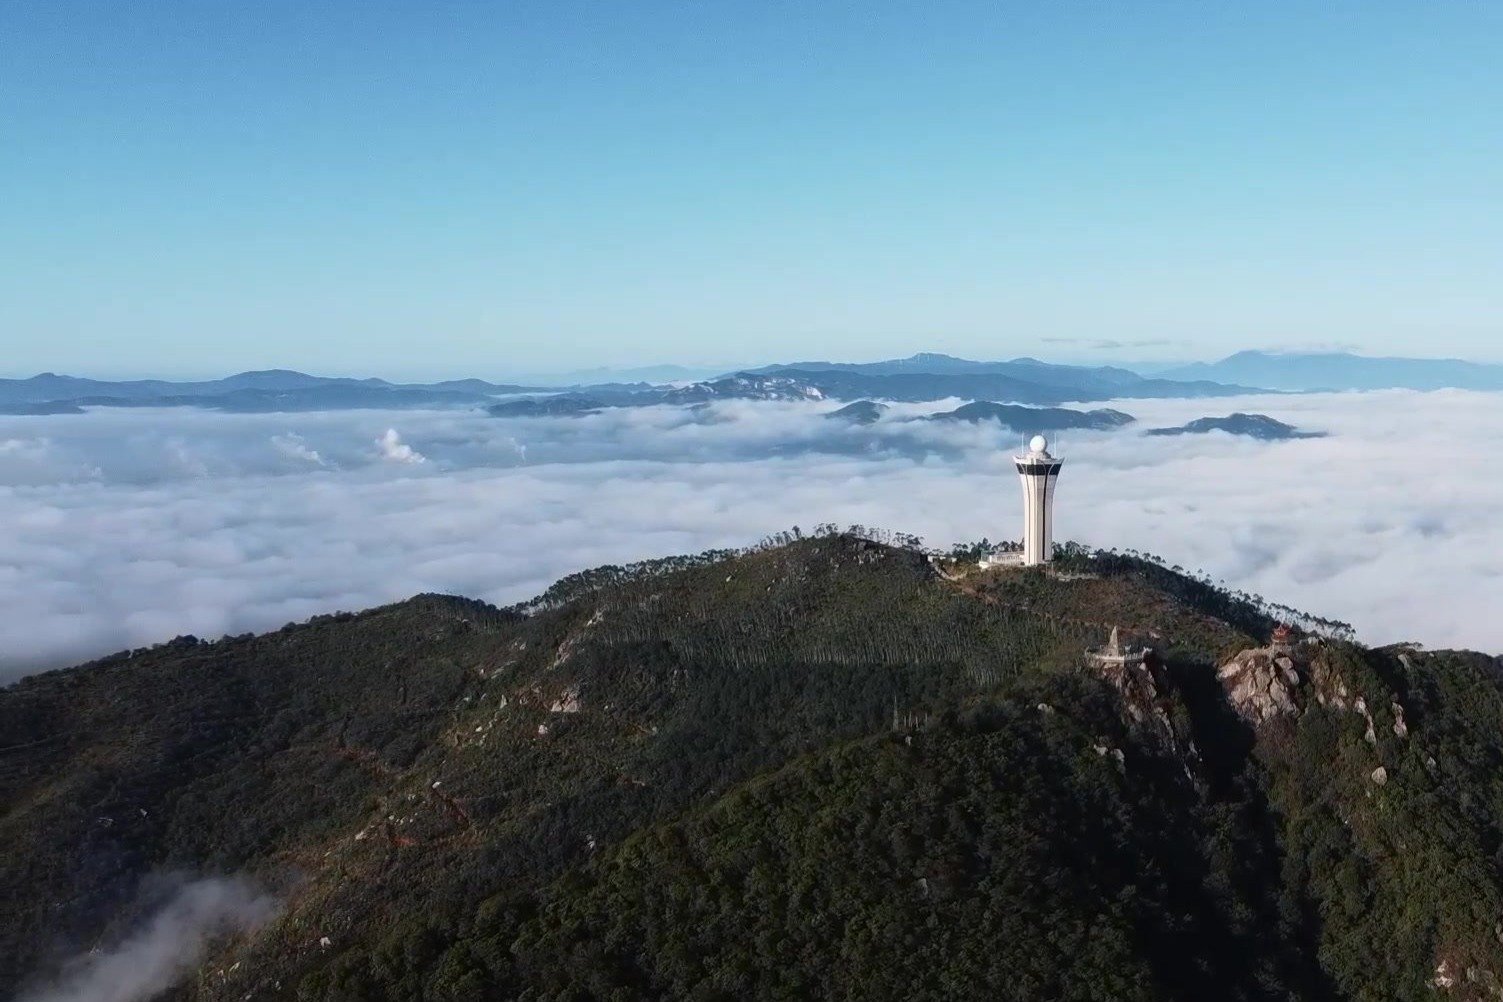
(1039, 471)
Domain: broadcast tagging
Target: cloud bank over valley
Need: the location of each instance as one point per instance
(128, 527)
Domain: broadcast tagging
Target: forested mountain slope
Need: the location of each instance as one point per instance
(828, 768)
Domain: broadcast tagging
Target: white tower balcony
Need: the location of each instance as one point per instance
(1039, 472)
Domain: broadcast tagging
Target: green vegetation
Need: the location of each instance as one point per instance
(832, 766)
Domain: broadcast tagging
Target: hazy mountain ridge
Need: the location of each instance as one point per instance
(935, 363)
(739, 761)
(935, 377)
(268, 390)
(922, 378)
(1297, 371)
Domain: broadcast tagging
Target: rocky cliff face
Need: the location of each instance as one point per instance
(1262, 684)
(1267, 683)
(1146, 694)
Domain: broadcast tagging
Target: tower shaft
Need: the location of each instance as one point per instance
(1039, 471)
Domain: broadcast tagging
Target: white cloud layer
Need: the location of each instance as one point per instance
(128, 527)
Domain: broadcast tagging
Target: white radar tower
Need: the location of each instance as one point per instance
(1039, 472)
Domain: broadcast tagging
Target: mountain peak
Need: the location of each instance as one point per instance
(684, 739)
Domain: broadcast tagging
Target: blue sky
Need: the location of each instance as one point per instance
(424, 189)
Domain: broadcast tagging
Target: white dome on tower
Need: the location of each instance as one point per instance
(1039, 444)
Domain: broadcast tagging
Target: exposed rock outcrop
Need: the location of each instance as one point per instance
(1261, 685)
(1283, 680)
(567, 702)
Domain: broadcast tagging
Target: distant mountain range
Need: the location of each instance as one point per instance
(931, 376)
(918, 378)
(1342, 371)
(636, 374)
(592, 399)
(921, 378)
(247, 392)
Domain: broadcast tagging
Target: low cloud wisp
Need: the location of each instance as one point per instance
(130, 527)
(170, 943)
(393, 448)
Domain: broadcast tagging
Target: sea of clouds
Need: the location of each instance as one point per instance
(128, 527)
